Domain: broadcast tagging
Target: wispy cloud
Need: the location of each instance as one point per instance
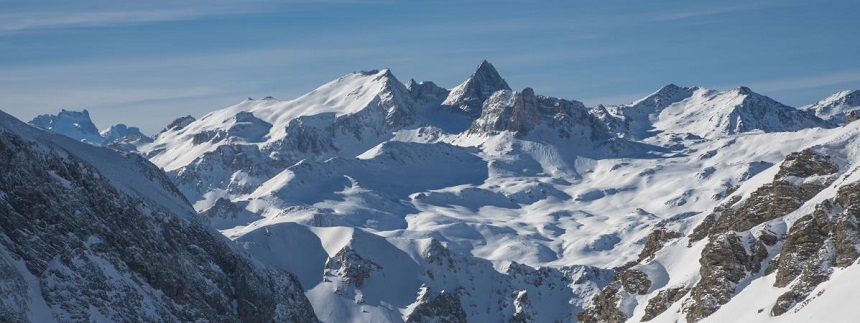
(711, 10)
(22, 21)
(848, 78)
(101, 13)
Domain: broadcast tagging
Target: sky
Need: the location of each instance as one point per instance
(146, 63)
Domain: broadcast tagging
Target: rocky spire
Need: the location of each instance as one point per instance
(471, 94)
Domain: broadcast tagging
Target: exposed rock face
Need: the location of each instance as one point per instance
(426, 92)
(815, 244)
(440, 307)
(219, 168)
(523, 310)
(634, 281)
(522, 112)
(222, 208)
(664, 299)
(805, 238)
(437, 254)
(179, 124)
(655, 242)
(801, 176)
(604, 306)
(725, 261)
(470, 95)
(351, 267)
(101, 252)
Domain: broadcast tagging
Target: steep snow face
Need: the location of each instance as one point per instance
(836, 107)
(72, 124)
(709, 114)
(88, 234)
(470, 95)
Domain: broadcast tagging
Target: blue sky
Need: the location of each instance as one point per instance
(147, 63)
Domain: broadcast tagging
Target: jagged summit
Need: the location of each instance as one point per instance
(471, 94)
(73, 124)
(836, 107)
(120, 130)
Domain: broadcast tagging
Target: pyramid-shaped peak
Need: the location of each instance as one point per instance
(487, 74)
(471, 94)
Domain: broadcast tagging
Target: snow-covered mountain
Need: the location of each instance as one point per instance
(91, 235)
(79, 126)
(412, 202)
(707, 114)
(836, 107)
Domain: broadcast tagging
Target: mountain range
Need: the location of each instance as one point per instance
(373, 200)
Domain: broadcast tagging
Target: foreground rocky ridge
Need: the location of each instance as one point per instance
(793, 232)
(75, 246)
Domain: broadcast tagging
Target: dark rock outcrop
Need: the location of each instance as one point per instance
(724, 263)
(351, 267)
(787, 192)
(604, 308)
(434, 306)
(656, 240)
(662, 301)
(634, 281)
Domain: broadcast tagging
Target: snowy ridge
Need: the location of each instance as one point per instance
(836, 107)
(707, 113)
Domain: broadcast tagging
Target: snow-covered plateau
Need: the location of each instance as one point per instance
(373, 200)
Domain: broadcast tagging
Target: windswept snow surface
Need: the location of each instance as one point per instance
(370, 181)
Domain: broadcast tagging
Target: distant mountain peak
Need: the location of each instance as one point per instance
(73, 124)
(664, 97)
(744, 90)
(471, 94)
(836, 107)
